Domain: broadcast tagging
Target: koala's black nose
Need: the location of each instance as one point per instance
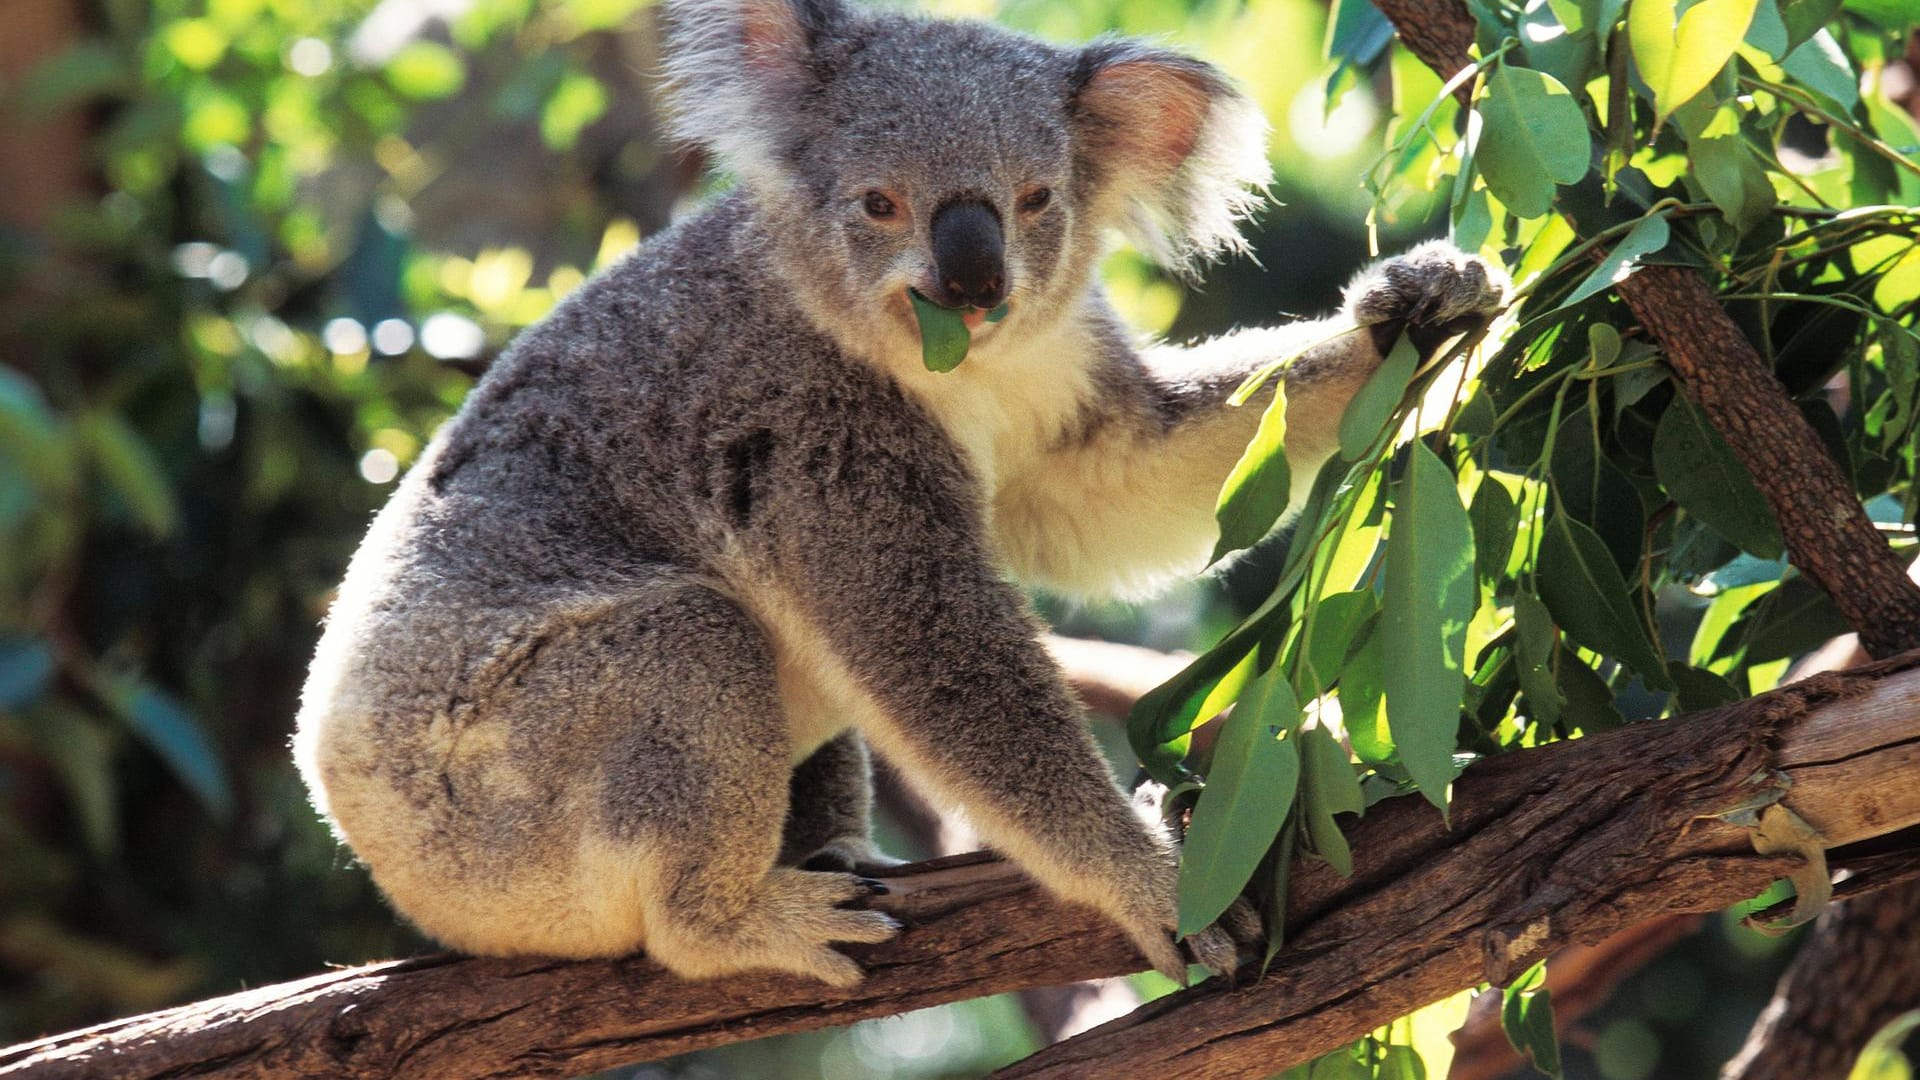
(969, 255)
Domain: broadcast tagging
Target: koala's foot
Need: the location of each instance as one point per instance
(793, 918)
(1434, 292)
(854, 854)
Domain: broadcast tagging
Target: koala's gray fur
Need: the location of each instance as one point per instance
(603, 674)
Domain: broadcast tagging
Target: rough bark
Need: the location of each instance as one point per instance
(1562, 843)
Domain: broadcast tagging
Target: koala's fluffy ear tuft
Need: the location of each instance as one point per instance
(1176, 142)
(738, 73)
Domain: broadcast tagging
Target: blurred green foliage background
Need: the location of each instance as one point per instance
(273, 241)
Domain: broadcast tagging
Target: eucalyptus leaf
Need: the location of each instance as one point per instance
(26, 669)
(1533, 136)
(1367, 414)
(1327, 637)
(944, 337)
(131, 470)
(1430, 597)
(1649, 236)
(1588, 598)
(1680, 53)
(1700, 688)
(1496, 520)
(1819, 64)
(1526, 1014)
(1256, 492)
(1699, 470)
(1734, 178)
(1362, 696)
(1329, 787)
(1586, 701)
(1250, 789)
(1533, 646)
(82, 752)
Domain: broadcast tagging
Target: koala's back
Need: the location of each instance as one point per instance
(629, 449)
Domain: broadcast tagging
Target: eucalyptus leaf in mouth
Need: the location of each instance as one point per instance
(944, 336)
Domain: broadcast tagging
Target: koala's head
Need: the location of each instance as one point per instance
(965, 162)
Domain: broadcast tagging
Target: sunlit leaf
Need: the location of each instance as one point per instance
(1429, 599)
(1255, 494)
(1679, 53)
(196, 43)
(1367, 414)
(1532, 137)
(1645, 238)
(579, 100)
(1250, 788)
(1329, 635)
(1883, 1058)
(1362, 699)
(426, 70)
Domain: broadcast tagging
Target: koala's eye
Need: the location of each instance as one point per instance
(879, 207)
(1036, 200)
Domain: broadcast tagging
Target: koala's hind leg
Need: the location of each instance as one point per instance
(697, 780)
(830, 810)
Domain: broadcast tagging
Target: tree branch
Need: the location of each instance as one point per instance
(1564, 842)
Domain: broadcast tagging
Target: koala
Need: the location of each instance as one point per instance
(604, 673)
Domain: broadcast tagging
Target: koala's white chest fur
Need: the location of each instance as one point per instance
(1007, 404)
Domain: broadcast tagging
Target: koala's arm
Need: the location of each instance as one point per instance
(888, 562)
(1130, 503)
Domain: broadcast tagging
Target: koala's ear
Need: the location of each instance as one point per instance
(738, 73)
(1173, 143)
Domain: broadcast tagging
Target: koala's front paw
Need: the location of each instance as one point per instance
(1434, 291)
(1218, 947)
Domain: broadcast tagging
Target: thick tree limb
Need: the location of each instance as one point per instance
(1565, 842)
